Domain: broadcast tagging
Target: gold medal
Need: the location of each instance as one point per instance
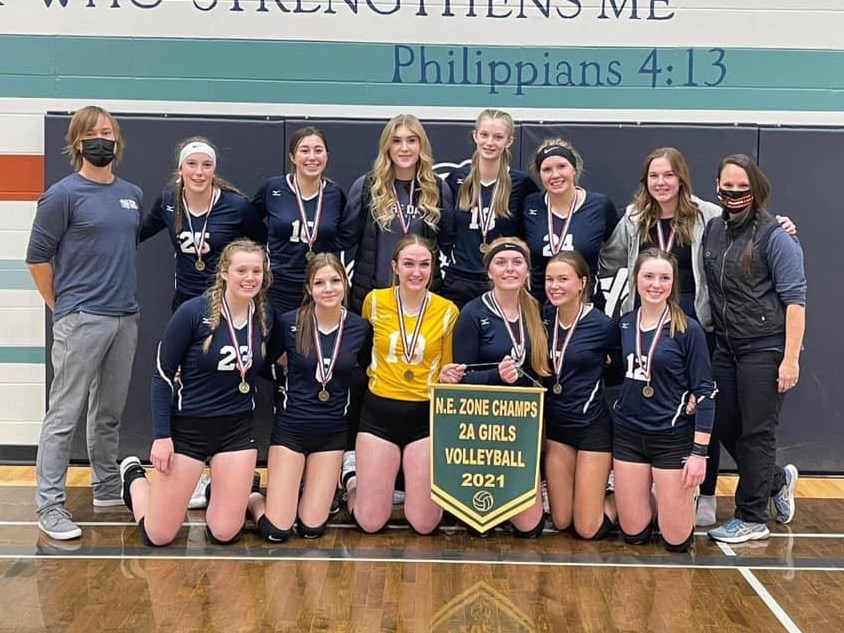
(484, 247)
(244, 387)
(310, 255)
(648, 391)
(323, 395)
(408, 375)
(557, 389)
(199, 265)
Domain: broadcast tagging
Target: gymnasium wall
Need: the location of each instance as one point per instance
(716, 74)
(251, 150)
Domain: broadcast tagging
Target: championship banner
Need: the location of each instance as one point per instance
(485, 447)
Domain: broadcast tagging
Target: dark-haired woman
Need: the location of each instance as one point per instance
(202, 213)
(658, 443)
(323, 342)
(304, 214)
(565, 217)
(216, 344)
(664, 214)
(757, 288)
(503, 329)
(489, 196)
(578, 427)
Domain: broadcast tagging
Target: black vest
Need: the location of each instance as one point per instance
(745, 304)
(366, 256)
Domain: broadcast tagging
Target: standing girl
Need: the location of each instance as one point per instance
(412, 340)
(323, 343)
(400, 196)
(202, 213)
(657, 440)
(305, 215)
(503, 329)
(578, 427)
(565, 217)
(489, 196)
(217, 343)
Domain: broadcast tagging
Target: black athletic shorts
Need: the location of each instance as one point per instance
(462, 291)
(596, 437)
(305, 442)
(664, 449)
(400, 422)
(201, 438)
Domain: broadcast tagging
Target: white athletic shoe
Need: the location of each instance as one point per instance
(198, 499)
(348, 470)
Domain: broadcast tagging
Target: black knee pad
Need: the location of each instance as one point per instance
(603, 531)
(534, 533)
(477, 534)
(214, 539)
(306, 531)
(642, 538)
(270, 532)
(680, 548)
(136, 472)
(145, 537)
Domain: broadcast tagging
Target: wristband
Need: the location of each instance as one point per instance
(700, 450)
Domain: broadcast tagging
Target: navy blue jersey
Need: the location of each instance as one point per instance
(480, 336)
(582, 400)
(591, 225)
(231, 217)
(681, 367)
(466, 262)
(299, 405)
(207, 382)
(286, 240)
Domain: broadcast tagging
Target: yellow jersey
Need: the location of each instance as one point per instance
(390, 374)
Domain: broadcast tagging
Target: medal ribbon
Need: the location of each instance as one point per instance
(200, 244)
(556, 247)
(662, 245)
(310, 238)
(485, 221)
(324, 374)
(558, 360)
(648, 366)
(242, 366)
(520, 346)
(408, 347)
(405, 223)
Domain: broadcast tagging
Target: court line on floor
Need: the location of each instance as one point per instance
(445, 528)
(296, 558)
(762, 592)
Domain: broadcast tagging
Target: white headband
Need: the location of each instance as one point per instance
(197, 147)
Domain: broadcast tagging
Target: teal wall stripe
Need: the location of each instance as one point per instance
(361, 73)
(22, 355)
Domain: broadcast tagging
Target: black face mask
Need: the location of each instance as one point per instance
(735, 201)
(98, 151)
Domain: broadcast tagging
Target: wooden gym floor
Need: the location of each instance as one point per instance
(395, 581)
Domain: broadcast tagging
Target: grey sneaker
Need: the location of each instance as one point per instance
(738, 531)
(56, 524)
(348, 470)
(107, 503)
(784, 500)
